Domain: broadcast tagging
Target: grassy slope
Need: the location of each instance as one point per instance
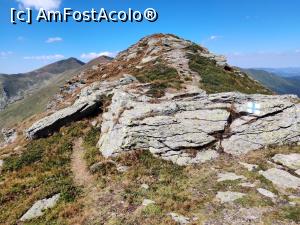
(216, 79)
(23, 82)
(189, 191)
(34, 103)
(42, 170)
(278, 84)
(160, 76)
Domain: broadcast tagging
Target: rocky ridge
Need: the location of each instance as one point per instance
(186, 125)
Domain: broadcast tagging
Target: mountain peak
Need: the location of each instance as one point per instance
(61, 66)
(168, 61)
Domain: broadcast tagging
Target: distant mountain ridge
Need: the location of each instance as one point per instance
(16, 86)
(283, 72)
(277, 83)
(33, 92)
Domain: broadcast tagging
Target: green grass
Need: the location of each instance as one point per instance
(292, 213)
(161, 77)
(92, 153)
(41, 171)
(216, 79)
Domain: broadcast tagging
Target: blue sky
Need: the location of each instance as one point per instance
(251, 33)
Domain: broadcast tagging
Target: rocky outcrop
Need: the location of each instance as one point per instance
(185, 128)
(167, 128)
(10, 135)
(179, 123)
(88, 103)
(186, 125)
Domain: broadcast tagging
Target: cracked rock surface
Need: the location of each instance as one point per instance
(87, 103)
(177, 124)
(185, 128)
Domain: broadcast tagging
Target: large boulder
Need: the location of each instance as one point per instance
(176, 124)
(166, 128)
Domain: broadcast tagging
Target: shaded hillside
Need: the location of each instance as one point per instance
(38, 99)
(16, 86)
(280, 85)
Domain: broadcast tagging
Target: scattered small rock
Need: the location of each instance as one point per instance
(1, 164)
(294, 199)
(147, 202)
(229, 176)
(148, 59)
(98, 166)
(39, 207)
(229, 196)
(10, 135)
(249, 167)
(292, 161)
(266, 193)
(122, 169)
(94, 123)
(182, 220)
(281, 178)
(205, 156)
(145, 186)
(247, 184)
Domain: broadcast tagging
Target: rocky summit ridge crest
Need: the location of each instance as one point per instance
(179, 101)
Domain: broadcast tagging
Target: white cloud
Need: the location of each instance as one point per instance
(45, 57)
(214, 37)
(93, 55)
(5, 54)
(37, 4)
(54, 39)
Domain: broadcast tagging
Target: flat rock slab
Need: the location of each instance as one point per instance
(229, 196)
(281, 178)
(229, 176)
(182, 220)
(86, 104)
(39, 207)
(292, 161)
(195, 120)
(247, 185)
(147, 202)
(266, 193)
